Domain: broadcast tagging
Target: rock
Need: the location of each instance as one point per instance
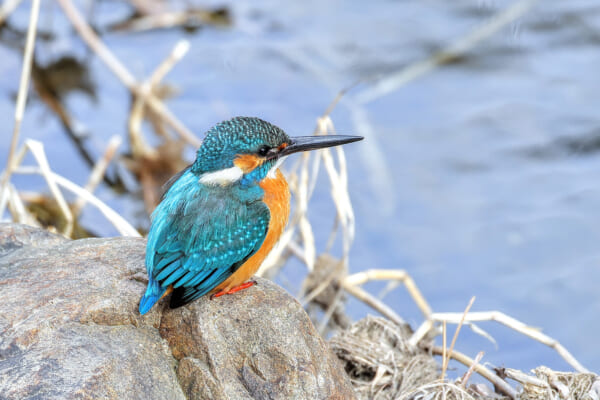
(69, 328)
(259, 346)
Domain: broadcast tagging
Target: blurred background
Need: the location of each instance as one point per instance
(478, 174)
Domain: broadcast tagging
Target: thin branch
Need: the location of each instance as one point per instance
(515, 325)
(444, 350)
(373, 302)
(17, 208)
(98, 172)
(392, 274)
(146, 90)
(456, 332)
(23, 87)
(37, 150)
(7, 8)
(329, 312)
(502, 385)
(90, 37)
(337, 271)
(118, 222)
(469, 372)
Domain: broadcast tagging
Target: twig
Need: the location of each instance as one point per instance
(461, 46)
(23, 88)
(502, 385)
(138, 144)
(167, 19)
(444, 350)
(456, 332)
(373, 302)
(118, 222)
(7, 8)
(469, 372)
(37, 150)
(88, 35)
(336, 272)
(391, 274)
(515, 325)
(524, 378)
(98, 172)
(339, 187)
(302, 196)
(17, 208)
(329, 312)
(178, 52)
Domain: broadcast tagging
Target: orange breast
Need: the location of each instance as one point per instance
(277, 198)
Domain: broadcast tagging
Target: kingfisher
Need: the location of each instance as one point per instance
(220, 217)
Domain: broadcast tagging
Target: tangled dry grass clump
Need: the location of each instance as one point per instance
(383, 364)
(549, 384)
(383, 356)
(380, 360)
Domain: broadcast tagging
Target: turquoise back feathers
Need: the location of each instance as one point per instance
(212, 217)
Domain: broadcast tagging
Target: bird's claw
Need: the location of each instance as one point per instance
(243, 286)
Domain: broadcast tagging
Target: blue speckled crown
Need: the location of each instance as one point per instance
(239, 135)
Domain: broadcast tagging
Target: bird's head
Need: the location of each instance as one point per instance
(247, 149)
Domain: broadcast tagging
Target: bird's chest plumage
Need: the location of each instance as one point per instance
(277, 199)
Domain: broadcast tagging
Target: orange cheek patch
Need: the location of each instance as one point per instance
(247, 162)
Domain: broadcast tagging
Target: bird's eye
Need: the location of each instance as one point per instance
(263, 150)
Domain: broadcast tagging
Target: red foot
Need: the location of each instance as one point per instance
(243, 286)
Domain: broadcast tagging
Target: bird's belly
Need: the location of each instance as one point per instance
(277, 198)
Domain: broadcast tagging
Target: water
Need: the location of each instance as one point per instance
(479, 178)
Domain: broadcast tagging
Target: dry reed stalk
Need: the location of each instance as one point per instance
(98, 172)
(7, 7)
(456, 332)
(93, 41)
(54, 180)
(465, 378)
(302, 178)
(515, 325)
(17, 208)
(391, 274)
(37, 150)
(338, 179)
(23, 89)
(437, 391)
(374, 303)
(549, 384)
(444, 350)
(503, 386)
(329, 312)
(167, 19)
(146, 89)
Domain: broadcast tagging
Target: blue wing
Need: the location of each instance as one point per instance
(199, 236)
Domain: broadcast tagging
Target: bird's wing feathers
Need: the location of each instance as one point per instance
(198, 240)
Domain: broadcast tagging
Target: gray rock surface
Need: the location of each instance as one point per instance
(69, 329)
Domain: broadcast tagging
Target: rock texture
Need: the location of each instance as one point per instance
(69, 329)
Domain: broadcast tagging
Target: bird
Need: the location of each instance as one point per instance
(220, 217)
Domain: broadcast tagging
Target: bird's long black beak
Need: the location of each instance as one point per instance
(304, 143)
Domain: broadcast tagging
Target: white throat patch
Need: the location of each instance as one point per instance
(272, 174)
(225, 176)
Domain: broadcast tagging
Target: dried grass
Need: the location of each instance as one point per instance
(549, 384)
(380, 361)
